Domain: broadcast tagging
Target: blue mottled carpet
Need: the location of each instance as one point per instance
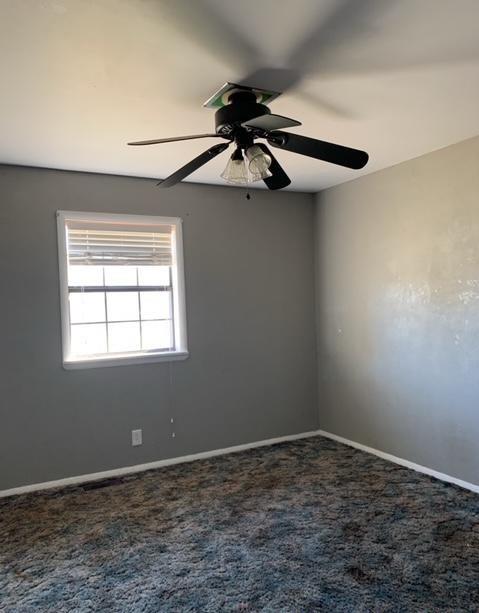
(304, 526)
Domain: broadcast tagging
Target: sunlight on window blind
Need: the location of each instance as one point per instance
(113, 244)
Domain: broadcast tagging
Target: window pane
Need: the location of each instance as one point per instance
(154, 275)
(120, 275)
(124, 337)
(155, 305)
(85, 275)
(122, 306)
(156, 334)
(88, 339)
(89, 306)
(106, 257)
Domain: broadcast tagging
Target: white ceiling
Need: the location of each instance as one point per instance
(80, 78)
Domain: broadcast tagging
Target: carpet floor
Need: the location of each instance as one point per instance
(310, 525)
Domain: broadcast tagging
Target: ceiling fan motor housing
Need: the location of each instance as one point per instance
(241, 108)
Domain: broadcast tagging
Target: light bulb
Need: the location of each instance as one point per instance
(259, 163)
(236, 171)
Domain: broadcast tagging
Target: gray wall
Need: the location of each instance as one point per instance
(250, 307)
(397, 280)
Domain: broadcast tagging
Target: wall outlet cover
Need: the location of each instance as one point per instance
(136, 438)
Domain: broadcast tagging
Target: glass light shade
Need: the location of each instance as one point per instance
(236, 171)
(259, 163)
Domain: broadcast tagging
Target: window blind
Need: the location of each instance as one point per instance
(118, 244)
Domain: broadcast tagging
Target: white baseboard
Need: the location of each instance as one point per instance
(137, 468)
(392, 458)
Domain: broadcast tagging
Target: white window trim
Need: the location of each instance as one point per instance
(179, 319)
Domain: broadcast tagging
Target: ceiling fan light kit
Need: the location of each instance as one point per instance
(236, 171)
(259, 163)
(239, 172)
(242, 117)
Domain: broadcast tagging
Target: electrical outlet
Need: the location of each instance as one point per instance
(136, 438)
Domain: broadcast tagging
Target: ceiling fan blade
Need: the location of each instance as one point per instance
(204, 24)
(279, 178)
(173, 139)
(187, 169)
(368, 37)
(319, 149)
(347, 23)
(331, 32)
(269, 122)
(275, 79)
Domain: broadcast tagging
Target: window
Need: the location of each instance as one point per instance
(122, 289)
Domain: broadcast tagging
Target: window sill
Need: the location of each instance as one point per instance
(124, 360)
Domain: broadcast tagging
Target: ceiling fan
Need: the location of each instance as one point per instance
(242, 117)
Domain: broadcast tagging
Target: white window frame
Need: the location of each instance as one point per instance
(178, 286)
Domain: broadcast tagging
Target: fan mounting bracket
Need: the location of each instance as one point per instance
(221, 97)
